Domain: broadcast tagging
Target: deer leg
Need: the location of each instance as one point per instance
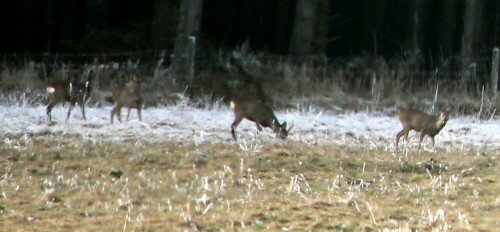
(420, 140)
(139, 113)
(111, 115)
(398, 136)
(432, 139)
(128, 113)
(406, 134)
(71, 105)
(119, 113)
(116, 111)
(113, 112)
(233, 127)
(49, 109)
(82, 107)
(402, 133)
(258, 126)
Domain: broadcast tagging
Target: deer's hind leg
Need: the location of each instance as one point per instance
(116, 111)
(71, 105)
(82, 107)
(128, 113)
(139, 113)
(49, 110)
(403, 132)
(235, 124)
(422, 135)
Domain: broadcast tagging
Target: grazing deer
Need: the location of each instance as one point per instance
(68, 91)
(129, 96)
(422, 122)
(259, 113)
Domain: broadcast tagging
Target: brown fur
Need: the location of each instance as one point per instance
(421, 122)
(129, 96)
(72, 92)
(259, 113)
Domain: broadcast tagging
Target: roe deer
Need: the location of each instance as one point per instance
(69, 91)
(259, 113)
(129, 96)
(422, 122)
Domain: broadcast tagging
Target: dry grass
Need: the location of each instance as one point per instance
(50, 183)
(337, 85)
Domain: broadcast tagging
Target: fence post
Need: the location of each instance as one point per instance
(494, 72)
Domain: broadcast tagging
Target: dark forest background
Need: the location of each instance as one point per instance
(342, 28)
(379, 50)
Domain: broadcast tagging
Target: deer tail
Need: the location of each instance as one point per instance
(51, 89)
(232, 104)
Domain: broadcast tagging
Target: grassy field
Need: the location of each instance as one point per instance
(51, 183)
(179, 170)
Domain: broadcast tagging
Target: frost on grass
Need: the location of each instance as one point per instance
(187, 124)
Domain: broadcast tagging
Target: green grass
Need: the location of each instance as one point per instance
(55, 184)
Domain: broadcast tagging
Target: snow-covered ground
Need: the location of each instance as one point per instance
(187, 124)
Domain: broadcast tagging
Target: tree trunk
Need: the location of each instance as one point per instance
(322, 27)
(446, 29)
(165, 12)
(303, 28)
(472, 32)
(417, 39)
(372, 25)
(187, 32)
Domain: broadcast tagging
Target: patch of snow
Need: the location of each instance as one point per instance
(183, 123)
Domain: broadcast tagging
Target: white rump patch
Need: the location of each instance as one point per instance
(51, 89)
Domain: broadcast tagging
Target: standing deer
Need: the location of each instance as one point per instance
(422, 122)
(259, 113)
(129, 96)
(69, 91)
